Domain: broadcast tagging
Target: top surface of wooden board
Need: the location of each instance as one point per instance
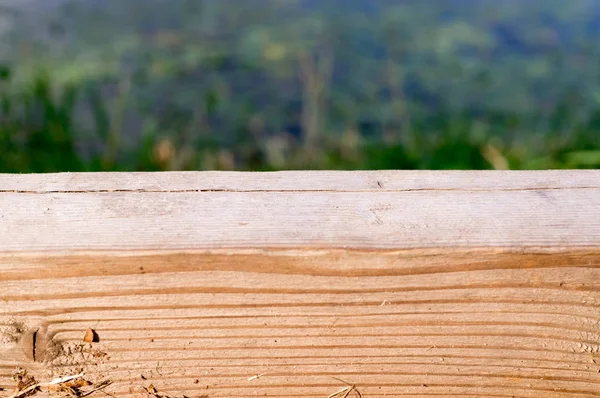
(389, 210)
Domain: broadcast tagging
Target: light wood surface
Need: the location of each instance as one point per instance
(473, 284)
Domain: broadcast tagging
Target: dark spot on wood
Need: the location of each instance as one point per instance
(33, 343)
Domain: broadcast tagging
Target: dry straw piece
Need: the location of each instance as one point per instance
(70, 385)
(256, 377)
(345, 392)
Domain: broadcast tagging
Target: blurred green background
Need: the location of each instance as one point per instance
(116, 85)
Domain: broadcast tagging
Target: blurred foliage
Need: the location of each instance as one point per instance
(290, 84)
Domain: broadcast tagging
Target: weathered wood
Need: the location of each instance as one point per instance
(400, 283)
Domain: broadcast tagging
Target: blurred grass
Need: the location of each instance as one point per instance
(41, 130)
(272, 85)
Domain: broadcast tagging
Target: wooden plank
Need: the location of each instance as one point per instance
(179, 213)
(434, 284)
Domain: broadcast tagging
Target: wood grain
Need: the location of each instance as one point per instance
(474, 284)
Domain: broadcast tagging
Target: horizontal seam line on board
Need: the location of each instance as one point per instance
(440, 374)
(24, 191)
(417, 360)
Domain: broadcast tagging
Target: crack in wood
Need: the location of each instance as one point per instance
(33, 345)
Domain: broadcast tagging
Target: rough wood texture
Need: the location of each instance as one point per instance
(474, 284)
